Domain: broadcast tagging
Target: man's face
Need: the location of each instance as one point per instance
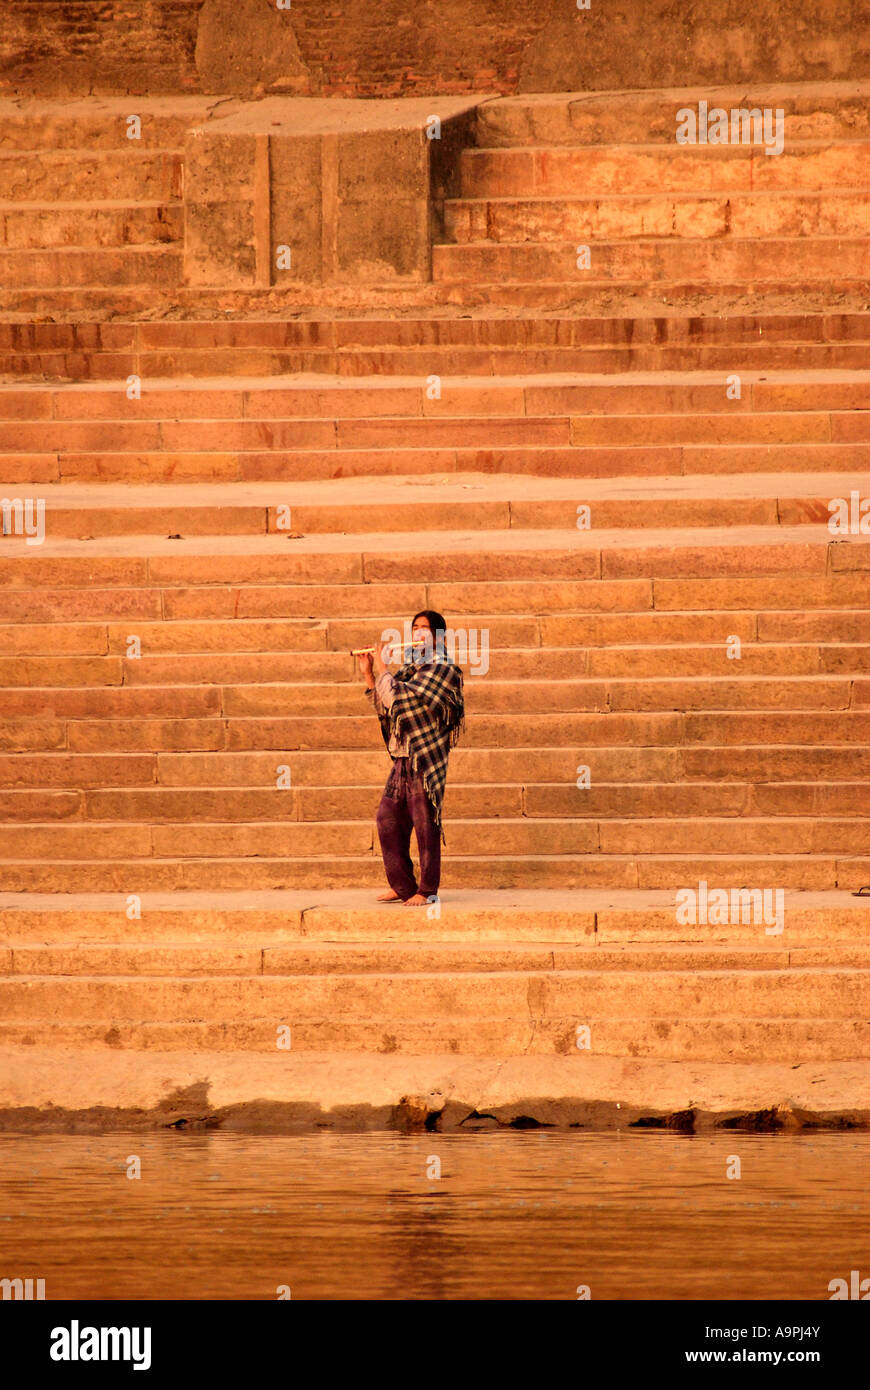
(422, 632)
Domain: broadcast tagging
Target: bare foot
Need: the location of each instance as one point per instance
(390, 897)
(417, 901)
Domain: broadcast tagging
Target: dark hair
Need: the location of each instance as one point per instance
(438, 624)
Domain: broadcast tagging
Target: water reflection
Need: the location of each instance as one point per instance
(529, 1214)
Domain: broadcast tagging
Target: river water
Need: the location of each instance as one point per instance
(520, 1214)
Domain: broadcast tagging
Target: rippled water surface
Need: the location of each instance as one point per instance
(513, 1215)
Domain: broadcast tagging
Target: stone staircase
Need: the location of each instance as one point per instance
(604, 171)
(601, 645)
(93, 221)
(225, 972)
(567, 426)
(84, 205)
(701, 646)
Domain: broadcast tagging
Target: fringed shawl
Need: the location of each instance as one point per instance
(429, 711)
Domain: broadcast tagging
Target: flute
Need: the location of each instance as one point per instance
(393, 648)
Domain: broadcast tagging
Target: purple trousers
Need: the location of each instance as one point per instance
(405, 806)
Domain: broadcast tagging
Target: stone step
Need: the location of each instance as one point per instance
(620, 566)
(586, 871)
(335, 398)
(86, 225)
(570, 614)
(772, 294)
(159, 341)
(704, 608)
(298, 676)
(213, 732)
(84, 124)
(248, 635)
(811, 111)
(441, 359)
(665, 800)
(606, 644)
(817, 872)
(349, 333)
(89, 522)
(595, 729)
(557, 171)
(555, 647)
(539, 836)
(653, 260)
(310, 651)
(793, 763)
(720, 1039)
(662, 215)
(576, 460)
(623, 918)
(802, 427)
(130, 437)
(80, 174)
(274, 956)
(626, 917)
(202, 686)
(157, 264)
(558, 997)
(75, 512)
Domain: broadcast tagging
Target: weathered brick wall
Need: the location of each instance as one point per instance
(391, 48)
(397, 48)
(77, 46)
(672, 43)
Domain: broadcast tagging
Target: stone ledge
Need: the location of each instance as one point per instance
(54, 1089)
(353, 189)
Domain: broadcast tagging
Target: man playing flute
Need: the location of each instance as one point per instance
(421, 712)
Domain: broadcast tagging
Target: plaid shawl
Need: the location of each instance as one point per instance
(428, 709)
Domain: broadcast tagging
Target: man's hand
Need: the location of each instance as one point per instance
(379, 666)
(365, 666)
